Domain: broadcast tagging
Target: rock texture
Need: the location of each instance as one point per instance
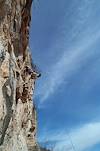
(17, 78)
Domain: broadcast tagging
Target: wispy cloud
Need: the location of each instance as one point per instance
(71, 60)
(80, 139)
(74, 46)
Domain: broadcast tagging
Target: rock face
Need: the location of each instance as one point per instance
(17, 78)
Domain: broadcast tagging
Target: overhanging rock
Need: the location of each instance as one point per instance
(17, 77)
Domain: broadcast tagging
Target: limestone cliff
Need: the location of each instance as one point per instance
(17, 78)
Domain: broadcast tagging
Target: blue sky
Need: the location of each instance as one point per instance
(65, 43)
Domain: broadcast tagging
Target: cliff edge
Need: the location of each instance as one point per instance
(17, 78)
